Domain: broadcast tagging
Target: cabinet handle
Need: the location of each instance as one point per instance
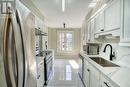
(106, 84)
(41, 63)
(88, 70)
(38, 77)
(102, 29)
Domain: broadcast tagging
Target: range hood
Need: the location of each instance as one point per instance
(39, 32)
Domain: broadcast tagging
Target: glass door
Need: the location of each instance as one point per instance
(65, 41)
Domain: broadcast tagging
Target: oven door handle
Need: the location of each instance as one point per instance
(106, 84)
(48, 60)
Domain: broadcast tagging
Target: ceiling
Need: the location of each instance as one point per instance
(73, 16)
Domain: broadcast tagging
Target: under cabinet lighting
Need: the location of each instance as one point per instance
(63, 5)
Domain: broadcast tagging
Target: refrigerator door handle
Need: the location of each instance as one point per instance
(10, 54)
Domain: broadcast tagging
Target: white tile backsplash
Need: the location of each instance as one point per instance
(106, 55)
(122, 54)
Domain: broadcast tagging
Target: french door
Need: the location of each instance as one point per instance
(65, 41)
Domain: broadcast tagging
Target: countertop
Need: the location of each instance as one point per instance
(118, 75)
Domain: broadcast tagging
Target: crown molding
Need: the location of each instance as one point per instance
(31, 6)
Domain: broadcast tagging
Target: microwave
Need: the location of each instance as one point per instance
(92, 48)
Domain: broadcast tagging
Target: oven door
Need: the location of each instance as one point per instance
(48, 68)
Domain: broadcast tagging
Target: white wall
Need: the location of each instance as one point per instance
(52, 39)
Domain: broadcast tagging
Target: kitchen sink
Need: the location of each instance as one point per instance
(103, 62)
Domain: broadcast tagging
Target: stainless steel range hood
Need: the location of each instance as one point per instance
(39, 32)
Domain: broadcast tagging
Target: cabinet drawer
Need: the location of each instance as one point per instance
(106, 82)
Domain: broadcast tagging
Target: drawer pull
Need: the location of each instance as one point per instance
(88, 70)
(106, 84)
(38, 77)
(102, 29)
(41, 63)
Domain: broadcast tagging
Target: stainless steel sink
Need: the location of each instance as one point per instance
(103, 62)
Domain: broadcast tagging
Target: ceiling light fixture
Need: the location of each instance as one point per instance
(63, 5)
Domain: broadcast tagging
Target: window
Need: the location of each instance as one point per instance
(65, 41)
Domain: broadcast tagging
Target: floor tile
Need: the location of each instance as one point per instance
(65, 75)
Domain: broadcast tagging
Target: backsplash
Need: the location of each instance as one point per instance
(122, 54)
(106, 54)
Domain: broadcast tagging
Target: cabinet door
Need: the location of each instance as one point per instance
(112, 15)
(99, 25)
(88, 36)
(126, 29)
(86, 76)
(92, 30)
(84, 33)
(94, 77)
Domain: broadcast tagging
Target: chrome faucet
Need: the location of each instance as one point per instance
(111, 54)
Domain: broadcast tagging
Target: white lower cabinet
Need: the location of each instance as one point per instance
(91, 76)
(104, 82)
(94, 77)
(86, 73)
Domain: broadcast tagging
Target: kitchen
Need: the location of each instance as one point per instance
(64, 43)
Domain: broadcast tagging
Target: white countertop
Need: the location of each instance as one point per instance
(122, 77)
(118, 75)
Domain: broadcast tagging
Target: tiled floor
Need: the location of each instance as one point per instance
(65, 74)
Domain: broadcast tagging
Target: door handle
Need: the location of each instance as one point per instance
(106, 84)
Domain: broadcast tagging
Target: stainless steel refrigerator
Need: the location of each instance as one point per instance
(17, 48)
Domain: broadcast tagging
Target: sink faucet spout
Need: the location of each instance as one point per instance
(111, 55)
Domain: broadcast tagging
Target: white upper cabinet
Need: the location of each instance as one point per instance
(88, 32)
(113, 16)
(84, 33)
(108, 20)
(99, 25)
(39, 23)
(127, 19)
(92, 29)
(125, 23)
